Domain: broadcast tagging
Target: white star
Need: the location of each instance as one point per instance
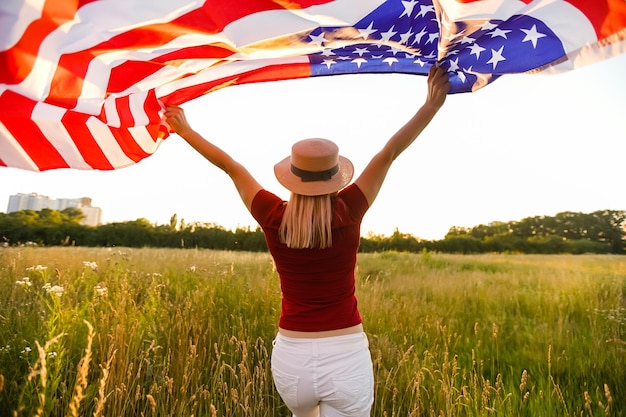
(426, 9)
(408, 7)
(499, 32)
(467, 39)
(476, 49)
(327, 52)
(532, 35)
(496, 56)
(359, 61)
(394, 50)
(361, 51)
(454, 65)
(386, 36)
(461, 76)
(328, 63)
(365, 33)
(432, 37)
(390, 60)
(318, 39)
(419, 62)
(404, 37)
(487, 26)
(419, 36)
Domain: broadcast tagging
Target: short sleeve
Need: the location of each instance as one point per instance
(264, 207)
(354, 198)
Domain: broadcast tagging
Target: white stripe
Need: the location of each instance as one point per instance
(479, 10)
(271, 24)
(15, 16)
(222, 71)
(110, 112)
(589, 55)
(48, 119)
(12, 153)
(107, 143)
(136, 103)
(100, 21)
(569, 23)
(144, 140)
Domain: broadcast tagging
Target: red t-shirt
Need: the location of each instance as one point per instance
(317, 284)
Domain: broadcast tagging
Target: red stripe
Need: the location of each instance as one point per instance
(17, 62)
(76, 125)
(128, 144)
(129, 73)
(606, 16)
(16, 116)
(122, 105)
(152, 107)
(269, 73)
(222, 12)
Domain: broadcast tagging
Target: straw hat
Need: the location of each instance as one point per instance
(314, 168)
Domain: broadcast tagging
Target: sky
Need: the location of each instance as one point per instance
(526, 145)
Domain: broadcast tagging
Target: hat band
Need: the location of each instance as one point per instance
(310, 176)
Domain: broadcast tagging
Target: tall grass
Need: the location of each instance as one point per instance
(154, 332)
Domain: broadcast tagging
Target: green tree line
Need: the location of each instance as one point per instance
(602, 231)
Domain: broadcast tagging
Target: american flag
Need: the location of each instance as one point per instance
(83, 84)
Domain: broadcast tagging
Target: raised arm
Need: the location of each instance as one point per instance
(245, 183)
(373, 176)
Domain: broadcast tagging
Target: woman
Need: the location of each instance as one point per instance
(320, 361)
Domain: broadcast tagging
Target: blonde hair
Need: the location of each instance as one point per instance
(306, 222)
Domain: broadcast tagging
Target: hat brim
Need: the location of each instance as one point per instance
(293, 183)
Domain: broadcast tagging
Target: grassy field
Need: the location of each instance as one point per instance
(152, 332)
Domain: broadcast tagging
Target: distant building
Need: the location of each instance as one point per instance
(37, 202)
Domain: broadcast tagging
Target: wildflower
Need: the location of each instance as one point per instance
(52, 354)
(53, 289)
(27, 349)
(192, 268)
(101, 291)
(24, 282)
(91, 265)
(38, 268)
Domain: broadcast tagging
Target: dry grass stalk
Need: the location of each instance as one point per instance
(101, 399)
(152, 402)
(40, 369)
(83, 372)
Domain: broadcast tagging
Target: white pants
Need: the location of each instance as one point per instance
(327, 377)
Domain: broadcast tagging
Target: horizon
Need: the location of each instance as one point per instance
(253, 227)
